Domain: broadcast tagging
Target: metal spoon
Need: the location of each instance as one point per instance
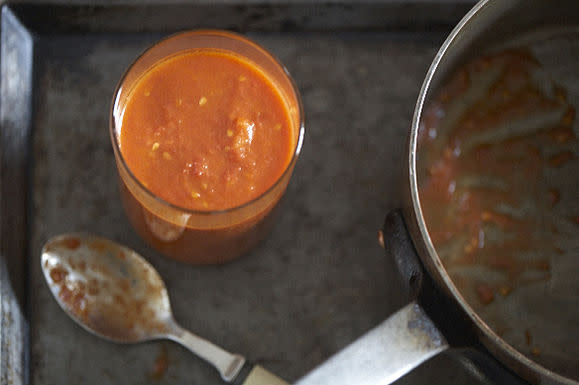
(116, 294)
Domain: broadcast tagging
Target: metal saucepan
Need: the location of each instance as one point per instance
(511, 288)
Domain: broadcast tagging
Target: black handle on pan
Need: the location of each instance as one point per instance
(443, 310)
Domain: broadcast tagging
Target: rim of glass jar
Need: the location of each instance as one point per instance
(220, 33)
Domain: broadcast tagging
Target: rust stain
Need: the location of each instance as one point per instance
(528, 337)
(161, 364)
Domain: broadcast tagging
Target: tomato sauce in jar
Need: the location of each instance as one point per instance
(206, 136)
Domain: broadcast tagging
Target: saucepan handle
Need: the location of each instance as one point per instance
(385, 353)
(400, 343)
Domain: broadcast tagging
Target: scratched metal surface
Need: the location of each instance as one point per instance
(316, 284)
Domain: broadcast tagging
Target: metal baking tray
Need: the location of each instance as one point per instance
(316, 284)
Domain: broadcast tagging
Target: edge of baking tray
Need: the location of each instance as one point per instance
(237, 15)
(22, 23)
(16, 53)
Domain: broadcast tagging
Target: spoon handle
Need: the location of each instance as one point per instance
(233, 368)
(228, 365)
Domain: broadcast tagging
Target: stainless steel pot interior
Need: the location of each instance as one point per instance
(550, 308)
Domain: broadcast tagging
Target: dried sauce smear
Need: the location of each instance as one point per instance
(498, 171)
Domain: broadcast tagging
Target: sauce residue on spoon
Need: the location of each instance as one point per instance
(105, 290)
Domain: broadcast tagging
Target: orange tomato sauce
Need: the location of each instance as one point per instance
(206, 130)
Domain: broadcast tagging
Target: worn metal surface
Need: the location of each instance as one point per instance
(313, 287)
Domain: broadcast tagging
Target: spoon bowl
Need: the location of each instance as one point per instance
(107, 288)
